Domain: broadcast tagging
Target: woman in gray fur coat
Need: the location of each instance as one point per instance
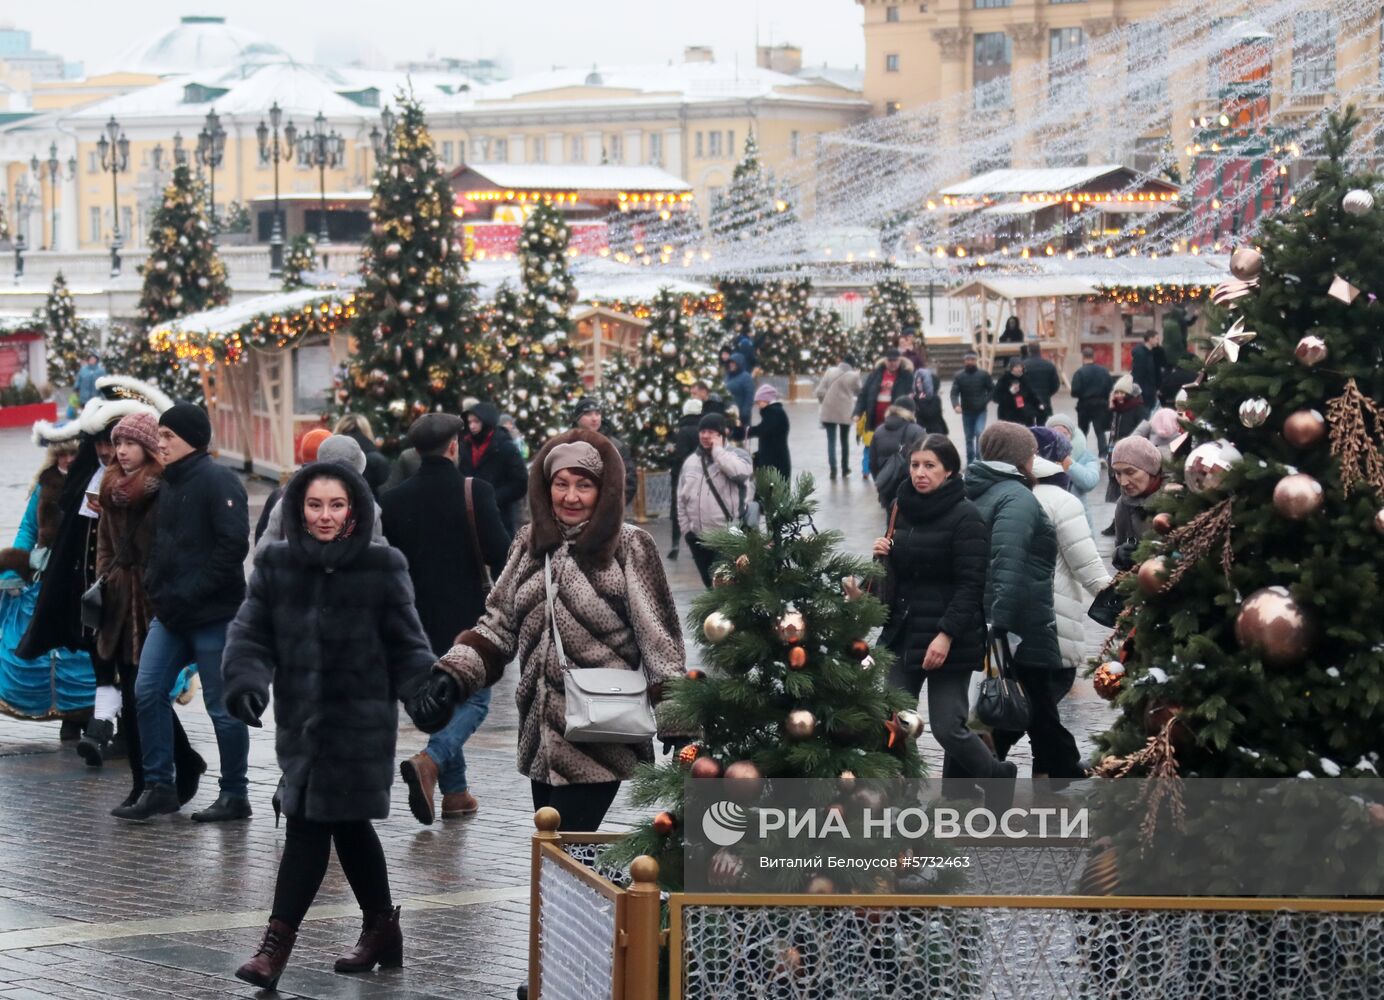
(613, 609)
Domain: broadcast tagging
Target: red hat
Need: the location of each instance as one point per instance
(310, 442)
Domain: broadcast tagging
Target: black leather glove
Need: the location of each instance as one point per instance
(248, 706)
(431, 708)
(674, 744)
(1123, 557)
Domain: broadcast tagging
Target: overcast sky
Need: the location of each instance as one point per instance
(533, 34)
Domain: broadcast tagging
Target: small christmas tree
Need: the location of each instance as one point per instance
(183, 274)
(69, 341)
(827, 338)
(617, 391)
(544, 373)
(299, 261)
(779, 326)
(791, 688)
(415, 311)
(889, 309)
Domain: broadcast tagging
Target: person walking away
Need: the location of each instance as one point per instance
(91, 369)
(927, 397)
(195, 582)
(1080, 573)
(377, 466)
(740, 388)
(702, 393)
(1091, 387)
(1145, 365)
(125, 534)
(607, 606)
(449, 530)
(1138, 469)
(1015, 398)
(1126, 413)
(587, 413)
(714, 488)
(836, 394)
(1084, 470)
(1019, 590)
(328, 613)
(890, 381)
(1161, 430)
(937, 553)
(772, 432)
(333, 448)
(890, 448)
(970, 396)
(684, 444)
(489, 454)
(1045, 379)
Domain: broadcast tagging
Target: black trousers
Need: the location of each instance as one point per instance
(702, 556)
(582, 807)
(187, 762)
(1094, 415)
(843, 431)
(308, 848)
(1054, 748)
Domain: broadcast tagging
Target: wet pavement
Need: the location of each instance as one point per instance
(90, 907)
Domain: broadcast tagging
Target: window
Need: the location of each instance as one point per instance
(1066, 1)
(655, 147)
(93, 165)
(578, 150)
(984, 4)
(1148, 154)
(540, 149)
(501, 150)
(699, 145)
(993, 60)
(891, 62)
(1066, 63)
(616, 148)
(730, 142)
(480, 149)
(892, 107)
(127, 223)
(891, 14)
(794, 144)
(997, 159)
(447, 148)
(1148, 59)
(94, 224)
(714, 144)
(1314, 52)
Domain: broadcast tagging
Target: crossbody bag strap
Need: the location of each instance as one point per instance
(706, 469)
(475, 535)
(552, 611)
(893, 520)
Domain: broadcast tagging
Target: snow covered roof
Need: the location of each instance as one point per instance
(196, 43)
(1088, 275)
(229, 318)
(1031, 181)
(572, 177)
(597, 280)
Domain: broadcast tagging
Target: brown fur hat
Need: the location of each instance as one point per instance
(597, 543)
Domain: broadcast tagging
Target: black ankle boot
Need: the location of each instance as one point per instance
(227, 807)
(95, 741)
(155, 800)
(130, 800)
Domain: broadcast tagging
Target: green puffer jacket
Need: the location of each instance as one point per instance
(1023, 555)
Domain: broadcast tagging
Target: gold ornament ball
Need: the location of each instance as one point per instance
(664, 823)
(744, 781)
(1274, 626)
(1298, 496)
(1246, 263)
(1163, 523)
(705, 769)
(791, 627)
(1107, 679)
(801, 724)
(722, 578)
(717, 627)
(1304, 428)
(689, 753)
(797, 658)
(742, 563)
(1311, 350)
(1153, 575)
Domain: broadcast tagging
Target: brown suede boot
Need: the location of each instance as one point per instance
(420, 774)
(458, 804)
(268, 964)
(381, 942)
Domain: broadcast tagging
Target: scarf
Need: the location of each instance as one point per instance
(919, 508)
(134, 490)
(478, 448)
(1126, 404)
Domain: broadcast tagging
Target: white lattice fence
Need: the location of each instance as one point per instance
(577, 930)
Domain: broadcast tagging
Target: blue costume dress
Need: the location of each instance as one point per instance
(59, 683)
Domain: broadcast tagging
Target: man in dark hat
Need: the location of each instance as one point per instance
(449, 527)
(587, 413)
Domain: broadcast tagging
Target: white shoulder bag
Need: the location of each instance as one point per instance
(603, 704)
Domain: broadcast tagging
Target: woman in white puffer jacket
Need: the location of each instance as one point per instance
(1080, 574)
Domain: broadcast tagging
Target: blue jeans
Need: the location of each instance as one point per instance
(165, 654)
(972, 424)
(445, 745)
(843, 431)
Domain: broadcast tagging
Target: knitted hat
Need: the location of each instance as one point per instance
(312, 440)
(584, 406)
(1008, 442)
(1051, 445)
(692, 408)
(1125, 384)
(1138, 452)
(343, 450)
(712, 422)
(1078, 438)
(766, 393)
(1164, 423)
(574, 455)
(190, 422)
(141, 428)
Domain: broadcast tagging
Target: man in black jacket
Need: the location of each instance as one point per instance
(1091, 386)
(1146, 363)
(587, 413)
(490, 454)
(1045, 379)
(970, 396)
(450, 539)
(195, 581)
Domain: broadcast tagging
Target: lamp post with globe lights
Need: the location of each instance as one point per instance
(114, 152)
(322, 149)
(276, 145)
(382, 142)
(211, 149)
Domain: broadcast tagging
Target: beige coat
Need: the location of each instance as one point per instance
(837, 392)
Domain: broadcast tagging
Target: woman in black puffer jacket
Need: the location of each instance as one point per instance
(937, 558)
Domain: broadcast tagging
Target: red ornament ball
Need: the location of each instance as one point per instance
(664, 824)
(860, 649)
(1163, 523)
(797, 658)
(689, 753)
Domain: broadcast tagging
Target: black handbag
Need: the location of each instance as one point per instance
(93, 600)
(1003, 702)
(1105, 609)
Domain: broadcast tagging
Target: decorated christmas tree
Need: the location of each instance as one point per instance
(779, 326)
(299, 261)
(415, 310)
(789, 685)
(827, 338)
(544, 371)
(889, 309)
(617, 391)
(128, 352)
(183, 273)
(69, 341)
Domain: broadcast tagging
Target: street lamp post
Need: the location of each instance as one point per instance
(272, 148)
(114, 151)
(53, 167)
(211, 148)
(381, 143)
(322, 149)
(19, 248)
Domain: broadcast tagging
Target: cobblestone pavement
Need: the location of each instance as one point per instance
(93, 908)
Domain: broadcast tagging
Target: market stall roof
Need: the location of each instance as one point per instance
(566, 177)
(597, 280)
(1035, 286)
(229, 318)
(1028, 181)
(1088, 276)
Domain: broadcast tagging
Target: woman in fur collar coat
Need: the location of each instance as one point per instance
(613, 608)
(329, 621)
